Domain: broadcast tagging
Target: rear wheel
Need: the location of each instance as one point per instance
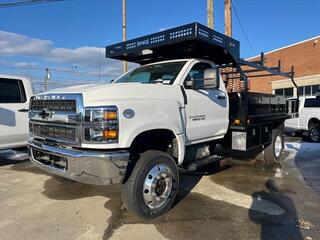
(273, 152)
(314, 134)
(152, 186)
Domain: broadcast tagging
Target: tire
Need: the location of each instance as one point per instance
(273, 152)
(314, 134)
(212, 146)
(152, 186)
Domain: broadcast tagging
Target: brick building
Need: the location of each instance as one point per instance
(304, 56)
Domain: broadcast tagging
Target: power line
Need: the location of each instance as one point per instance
(244, 33)
(25, 3)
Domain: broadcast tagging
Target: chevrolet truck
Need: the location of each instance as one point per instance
(189, 94)
(308, 122)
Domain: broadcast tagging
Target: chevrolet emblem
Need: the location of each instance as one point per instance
(44, 114)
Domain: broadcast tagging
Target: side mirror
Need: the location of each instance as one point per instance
(210, 80)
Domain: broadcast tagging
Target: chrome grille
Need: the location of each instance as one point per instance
(54, 132)
(57, 117)
(54, 105)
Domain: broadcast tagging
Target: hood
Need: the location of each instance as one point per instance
(73, 89)
(119, 92)
(105, 94)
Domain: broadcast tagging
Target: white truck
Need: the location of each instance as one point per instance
(15, 92)
(308, 121)
(170, 112)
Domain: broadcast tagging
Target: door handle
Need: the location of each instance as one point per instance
(23, 110)
(221, 97)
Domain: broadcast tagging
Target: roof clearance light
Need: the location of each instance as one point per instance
(146, 51)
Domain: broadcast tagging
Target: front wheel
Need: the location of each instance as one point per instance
(152, 186)
(314, 134)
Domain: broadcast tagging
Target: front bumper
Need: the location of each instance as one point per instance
(90, 167)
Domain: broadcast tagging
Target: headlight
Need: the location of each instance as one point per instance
(101, 125)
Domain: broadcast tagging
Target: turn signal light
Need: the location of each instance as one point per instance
(108, 115)
(110, 134)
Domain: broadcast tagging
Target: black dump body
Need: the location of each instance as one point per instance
(261, 107)
(251, 114)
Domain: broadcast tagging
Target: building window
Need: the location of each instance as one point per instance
(278, 91)
(315, 89)
(288, 92)
(301, 91)
(307, 90)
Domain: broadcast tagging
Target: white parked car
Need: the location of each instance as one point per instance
(15, 92)
(308, 121)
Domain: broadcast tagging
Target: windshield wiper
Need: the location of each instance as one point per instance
(159, 80)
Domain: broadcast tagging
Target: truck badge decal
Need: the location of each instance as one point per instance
(128, 113)
(198, 117)
(144, 42)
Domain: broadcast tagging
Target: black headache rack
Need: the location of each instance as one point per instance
(188, 41)
(252, 115)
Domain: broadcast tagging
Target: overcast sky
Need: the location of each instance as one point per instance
(69, 36)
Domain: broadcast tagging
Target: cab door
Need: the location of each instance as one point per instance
(13, 113)
(207, 114)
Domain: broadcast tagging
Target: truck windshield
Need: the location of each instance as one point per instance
(164, 73)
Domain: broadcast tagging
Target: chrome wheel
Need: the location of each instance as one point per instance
(157, 186)
(314, 134)
(278, 146)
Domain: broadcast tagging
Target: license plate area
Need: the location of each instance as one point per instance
(51, 160)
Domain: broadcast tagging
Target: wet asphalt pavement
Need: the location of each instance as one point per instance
(244, 201)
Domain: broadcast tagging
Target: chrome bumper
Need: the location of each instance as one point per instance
(90, 167)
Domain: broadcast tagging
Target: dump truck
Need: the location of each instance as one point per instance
(189, 94)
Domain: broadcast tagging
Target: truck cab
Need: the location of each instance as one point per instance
(15, 92)
(201, 123)
(188, 95)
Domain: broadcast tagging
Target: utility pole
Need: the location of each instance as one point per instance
(100, 65)
(227, 18)
(124, 30)
(210, 13)
(46, 79)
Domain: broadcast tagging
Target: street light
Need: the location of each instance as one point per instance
(46, 79)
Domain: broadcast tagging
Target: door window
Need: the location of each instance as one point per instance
(197, 72)
(312, 102)
(12, 91)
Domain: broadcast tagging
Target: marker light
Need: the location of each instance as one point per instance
(236, 122)
(110, 115)
(110, 134)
